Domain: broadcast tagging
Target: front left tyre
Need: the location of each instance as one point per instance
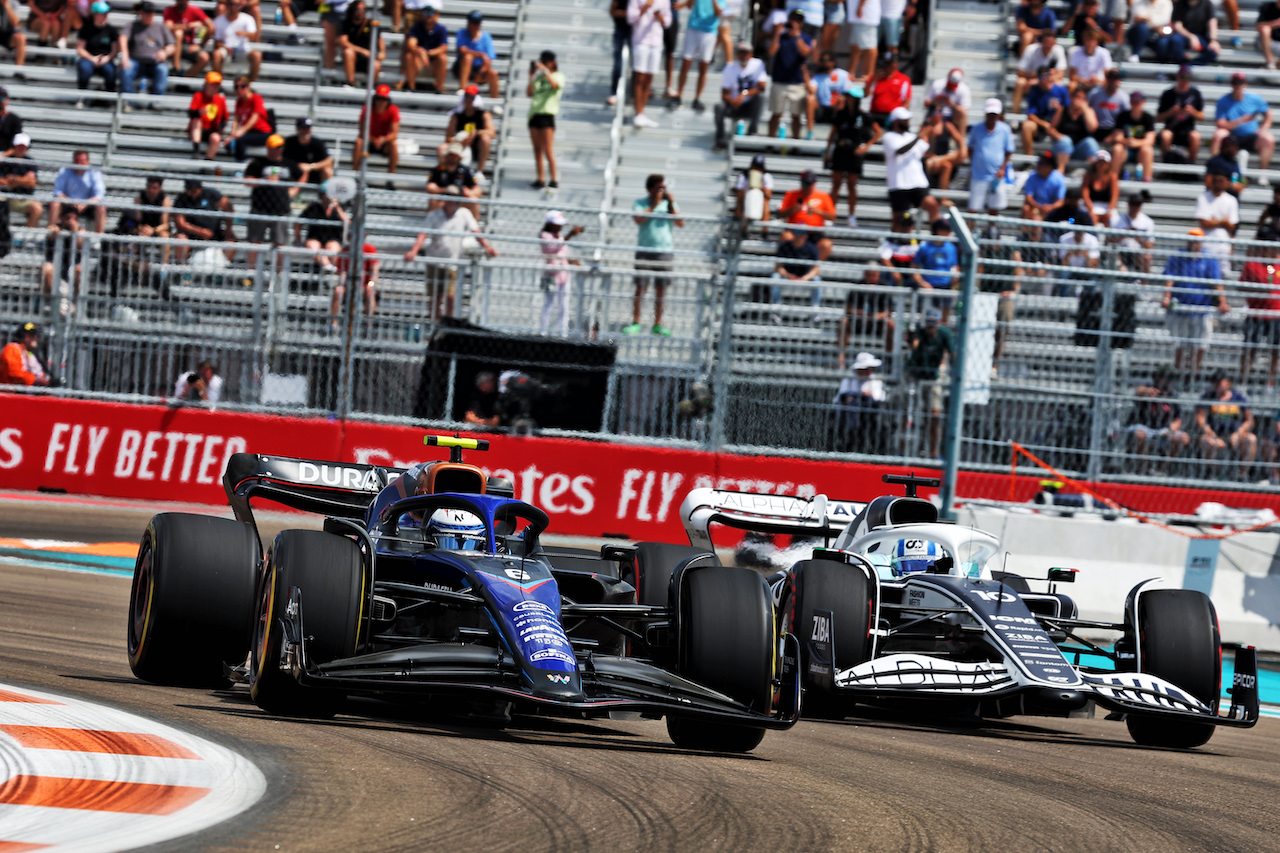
(191, 602)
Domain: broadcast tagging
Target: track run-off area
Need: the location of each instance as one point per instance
(92, 759)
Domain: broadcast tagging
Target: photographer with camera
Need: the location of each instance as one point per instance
(204, 385)
(657, 217)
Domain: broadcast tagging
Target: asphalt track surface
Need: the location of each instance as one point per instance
(382, 778)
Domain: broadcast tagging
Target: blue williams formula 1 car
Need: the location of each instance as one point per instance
(433, 582)
(903, 608)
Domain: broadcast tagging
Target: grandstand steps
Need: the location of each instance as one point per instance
(969, 36)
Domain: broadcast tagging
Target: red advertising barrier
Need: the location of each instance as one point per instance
(587, 487)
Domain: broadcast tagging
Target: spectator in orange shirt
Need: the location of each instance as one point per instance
(208, 112)
(384, 127)
(812, 207)
(18, 362)
(888, 89)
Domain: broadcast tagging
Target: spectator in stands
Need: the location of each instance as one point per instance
(1087, 15)
(1109, 102)
(1181, 106)
(930, 351)
(96, 48)
(18, 175)
(1156, 418)
(1033, 18)
(52, 21)
(10, 122)
(150, 44)
(470, 126)
(1088, 62)
(203, 385)
(1218, 212)
(356, 42)
(546, 86)
(202, 213)
(741, 94)
(311, 155)
(701, 35)
(146, 221)
(1226, 421)
(1268, 29)
(1045, 53)
(483, 408)
(445, 230)
(68, 269)
(368, 284)
(657, 217)
(834, 15)
(1100, 188)
(190, 27)
(1079, 251)
(888, 90)
(809, 206)
(384, 130)
(1136, 254)
(1072, 211)
(233, 33)
(648, 19)
(938, 262)
(1045, 188)
(251, 122)
(1247, 117)
(426, 47)
(945, 160)
(19, 364)
(950, 96)
(1189, 299)
(276, 181)
(864, 37)
(1076, 127)
(904, 155)
(991, 150)
(897, 252)
(1262, 297)
(325, 220)
(1193, 37)
(621, 39)
(1046, 102)
(891, 15)
(476, 55)
(79, 187)
(556, 276)
(333, 16)
(797, 262)
(451, 173)
(789, 50)
(207, 116)
(670, 46)
(756, 177)
(1001, 273)
(291, 9)
(867, 311)
(852, 135)
(1147, 20)
(825, 89)
(858, 401)
(11, 36)
(1226, 162)
(1134, 141)
(1269, 219)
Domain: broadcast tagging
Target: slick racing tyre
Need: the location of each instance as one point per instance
(327, 569)
(727, 643)
(843, 592)
(191, 602)
(655, 563)
(1179, 642)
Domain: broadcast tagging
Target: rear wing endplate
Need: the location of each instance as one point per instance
(343, 489)
(817, 516)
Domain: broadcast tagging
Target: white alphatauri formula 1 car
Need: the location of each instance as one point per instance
(904, 607)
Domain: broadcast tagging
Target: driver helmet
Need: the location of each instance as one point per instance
(456, 530)
(914, 555)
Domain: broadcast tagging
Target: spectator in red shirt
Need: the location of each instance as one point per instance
(1262, 323)
(888, 90)
(368, 283)
(384, 127)
(812, 207)
(208, 112)
(190, 27)
(251, 124)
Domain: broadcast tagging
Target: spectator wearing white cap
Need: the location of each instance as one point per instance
(556, 277)
(991, 148)
(951, 97)
(1044, 53)
(858, 401)
(18, 175)
(904, 154)
(648, 19)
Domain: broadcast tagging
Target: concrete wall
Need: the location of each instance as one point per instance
(1112, 556)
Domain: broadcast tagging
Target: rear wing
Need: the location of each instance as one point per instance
(342, 489)
(817, 516)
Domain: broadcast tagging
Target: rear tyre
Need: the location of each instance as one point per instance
(655, 563)
(844, 592)
(727, 644)
(328, 570)
(1178, 642)
(191, 602)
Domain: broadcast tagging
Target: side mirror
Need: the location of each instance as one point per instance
(1063, 575)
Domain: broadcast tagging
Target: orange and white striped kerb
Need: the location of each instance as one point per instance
(76, 777)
